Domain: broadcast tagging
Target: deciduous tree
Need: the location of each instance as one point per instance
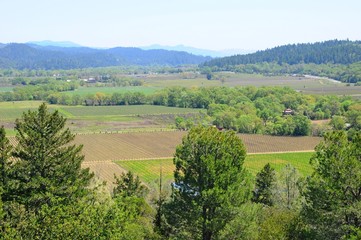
(333, 192)
(210, 183)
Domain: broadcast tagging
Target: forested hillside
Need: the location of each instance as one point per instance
(334, 51)
(339, 60)
(24, 56)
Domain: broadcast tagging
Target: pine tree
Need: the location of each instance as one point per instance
(5, 152)
(265, 182)
(48, 167)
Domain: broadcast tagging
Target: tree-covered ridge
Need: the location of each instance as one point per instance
(333, 51)
(23, 56)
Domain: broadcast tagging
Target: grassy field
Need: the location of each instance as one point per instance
(149, 170)
(6, 89)
(13, 110)
(95, 119)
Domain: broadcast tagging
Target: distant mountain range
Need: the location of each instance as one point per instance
(198, 51)
(63, 55)
(178, 48)
(47, 43)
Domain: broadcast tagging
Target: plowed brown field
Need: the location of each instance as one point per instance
(155, 145)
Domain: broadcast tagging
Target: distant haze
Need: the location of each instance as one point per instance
(198, 51)
(201, 24)
(182, 48)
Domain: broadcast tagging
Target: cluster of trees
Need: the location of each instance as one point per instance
(214, 197)
(100, 71)
(45, 194)
(37, 90)
(335, 59)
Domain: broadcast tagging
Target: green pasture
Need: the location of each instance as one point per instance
(149, 170)
(6, 89)
(13, 110)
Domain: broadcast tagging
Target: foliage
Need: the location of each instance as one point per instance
(129, 185)
(245, 225)
(210, 183)
(286, 193)
(277, 223)
(265, 181)
(5, 154)
(333, 193)
(47, 168)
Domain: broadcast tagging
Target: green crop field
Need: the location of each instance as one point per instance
(6, 89)
(299, 160)
(13, 110)
(149, 170)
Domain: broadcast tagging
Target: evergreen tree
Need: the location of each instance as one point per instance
(48, 167)
(265, 182)
(5, 153)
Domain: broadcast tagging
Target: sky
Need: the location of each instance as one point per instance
(206, 24)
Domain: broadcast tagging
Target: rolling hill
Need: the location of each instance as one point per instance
(32, 56)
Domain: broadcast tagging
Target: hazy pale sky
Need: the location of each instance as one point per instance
(208, 24)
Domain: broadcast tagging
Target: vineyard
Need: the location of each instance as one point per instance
(149, 171)
(144, 150)
(155, 145)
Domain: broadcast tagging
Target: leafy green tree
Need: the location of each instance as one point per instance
(332, 194)
(129, 185)
(246, 224)
(265, 182)
(48, 167)
(337, 123)
(302, 126)
(210, 183)
(5, 153)
(286, 192)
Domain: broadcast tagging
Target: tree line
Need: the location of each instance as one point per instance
(45, 194)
